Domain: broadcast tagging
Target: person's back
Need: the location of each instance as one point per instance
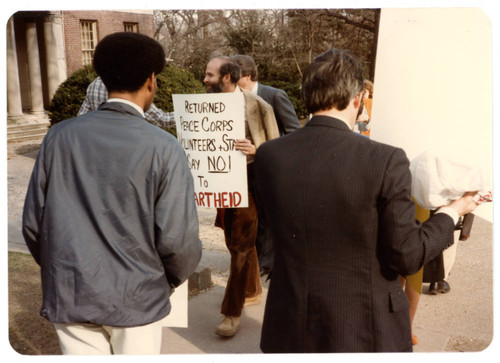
(286, 118)
(332, 251)
(342, 219)
(107, 171)
(110, 214)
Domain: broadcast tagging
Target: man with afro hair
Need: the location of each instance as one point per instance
(110, 214)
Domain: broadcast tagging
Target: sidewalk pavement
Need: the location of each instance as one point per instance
(461, 320)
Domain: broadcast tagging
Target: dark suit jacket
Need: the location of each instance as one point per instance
(344, 227)
(283, 109)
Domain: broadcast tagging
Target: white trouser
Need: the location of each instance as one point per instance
(92, 339)
(449, 255)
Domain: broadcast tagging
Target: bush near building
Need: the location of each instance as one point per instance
(70, 95)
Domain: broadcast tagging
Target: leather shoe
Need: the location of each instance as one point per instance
(254, 300)
(439, 287)
(228, 326)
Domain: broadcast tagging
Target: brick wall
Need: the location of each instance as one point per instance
(107, 22)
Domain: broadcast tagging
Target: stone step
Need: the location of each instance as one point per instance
(26, 132)
(32, 137)
(12, 129)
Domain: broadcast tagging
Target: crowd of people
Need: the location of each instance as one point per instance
(110, 214)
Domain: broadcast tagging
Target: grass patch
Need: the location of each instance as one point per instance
(29, 333)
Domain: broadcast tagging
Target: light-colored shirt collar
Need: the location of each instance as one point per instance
(127, 102)
(255, 88)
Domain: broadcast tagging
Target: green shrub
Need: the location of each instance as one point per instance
(71, 93)
(174, 80)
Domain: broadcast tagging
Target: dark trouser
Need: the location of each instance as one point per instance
(240, 231)
(434, 269)
(265, 247)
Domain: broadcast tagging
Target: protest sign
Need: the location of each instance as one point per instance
(207, 127)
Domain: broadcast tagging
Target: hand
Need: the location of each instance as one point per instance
(465, 204)
(245, 146)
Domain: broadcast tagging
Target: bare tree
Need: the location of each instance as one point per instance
(282, 41)
(190, 36)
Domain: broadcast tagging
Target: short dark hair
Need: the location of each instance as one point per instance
(247, 66)
(125, 60)
(332, 80)
(230, 67)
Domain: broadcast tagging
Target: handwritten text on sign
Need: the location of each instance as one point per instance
(207, 127)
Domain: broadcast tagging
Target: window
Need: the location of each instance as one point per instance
(131, 27)
(89, 40)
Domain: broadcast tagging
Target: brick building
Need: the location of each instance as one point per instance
(83, 29)
(44, 47)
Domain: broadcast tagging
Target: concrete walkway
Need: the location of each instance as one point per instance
(461, 320)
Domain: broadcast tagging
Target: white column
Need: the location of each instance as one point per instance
(54, 45)
(14, 104)
(34, 70)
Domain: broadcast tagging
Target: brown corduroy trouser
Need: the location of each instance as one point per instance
(240, 231)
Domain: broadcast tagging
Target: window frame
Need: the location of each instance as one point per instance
(88, 36)
(134, 27)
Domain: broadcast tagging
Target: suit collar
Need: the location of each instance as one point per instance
(262, 88)
(121, 108)
(259, 88)
(328, 122)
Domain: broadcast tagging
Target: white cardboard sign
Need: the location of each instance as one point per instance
(207, 127)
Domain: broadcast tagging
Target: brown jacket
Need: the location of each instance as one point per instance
(260, 117)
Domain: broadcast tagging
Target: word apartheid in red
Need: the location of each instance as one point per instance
(218, 200)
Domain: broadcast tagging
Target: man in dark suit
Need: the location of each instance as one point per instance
(286, 118)
(287, 122)
(340, 211)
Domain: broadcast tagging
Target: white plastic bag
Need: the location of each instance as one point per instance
(438, 178)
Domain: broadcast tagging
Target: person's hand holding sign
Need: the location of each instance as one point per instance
(245, 146)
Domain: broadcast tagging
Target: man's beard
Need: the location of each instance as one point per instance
(214, 87)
